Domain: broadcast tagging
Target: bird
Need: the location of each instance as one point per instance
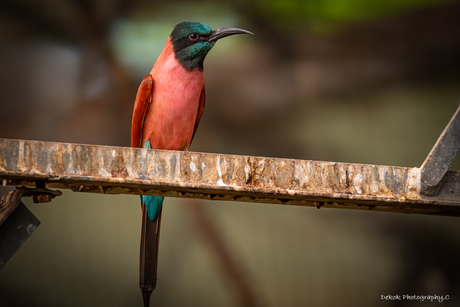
(168, 107)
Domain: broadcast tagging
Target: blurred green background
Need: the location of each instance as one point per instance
(339, 80)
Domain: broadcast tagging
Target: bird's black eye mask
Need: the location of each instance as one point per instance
(191, 39)
(187, 33)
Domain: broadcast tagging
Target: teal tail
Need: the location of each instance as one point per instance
(154, 205)
(151, 218)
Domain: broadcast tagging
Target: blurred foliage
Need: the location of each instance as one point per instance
(339, 9)
(327, 15)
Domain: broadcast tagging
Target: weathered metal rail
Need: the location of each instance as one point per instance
(124, 170)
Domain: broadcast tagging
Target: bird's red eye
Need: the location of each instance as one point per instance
(193, 36)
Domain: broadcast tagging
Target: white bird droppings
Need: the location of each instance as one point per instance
(193, 166)
(220, 182)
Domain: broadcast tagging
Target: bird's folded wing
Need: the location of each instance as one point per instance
(200, 112)
(143, 100)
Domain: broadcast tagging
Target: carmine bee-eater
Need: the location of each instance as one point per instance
(167, 110)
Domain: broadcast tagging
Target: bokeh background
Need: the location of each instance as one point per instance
(338, 80)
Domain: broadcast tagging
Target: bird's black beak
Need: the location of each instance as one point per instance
(223, 32)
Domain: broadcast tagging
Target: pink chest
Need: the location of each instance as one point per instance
(171, 117)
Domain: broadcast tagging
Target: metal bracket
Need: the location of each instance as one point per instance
(17, 223)
(441, 156)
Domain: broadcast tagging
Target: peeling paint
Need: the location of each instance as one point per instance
(357, 180)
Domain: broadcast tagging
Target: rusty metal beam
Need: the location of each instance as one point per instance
(124, 170)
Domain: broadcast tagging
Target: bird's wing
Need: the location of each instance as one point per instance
(143, 100)
(200, 112)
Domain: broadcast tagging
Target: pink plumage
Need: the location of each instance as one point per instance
(173, 113)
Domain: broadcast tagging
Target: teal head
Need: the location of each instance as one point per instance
(193, 40)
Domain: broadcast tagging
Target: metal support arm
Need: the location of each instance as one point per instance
(441, 156)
